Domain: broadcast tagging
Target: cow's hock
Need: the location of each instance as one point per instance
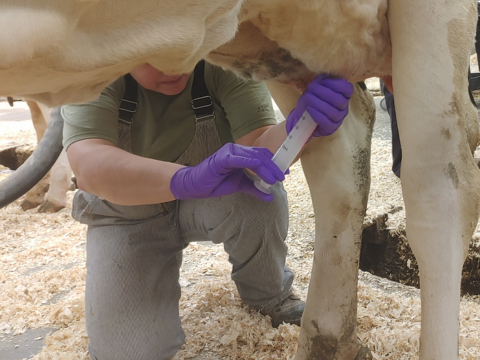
(37, 165)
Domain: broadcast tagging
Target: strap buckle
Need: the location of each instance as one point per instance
(205, 117)
(126, 110)
(127, 103)
(201, 102)
(125, 122)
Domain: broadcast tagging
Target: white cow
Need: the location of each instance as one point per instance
(68, 50)
(50, 193)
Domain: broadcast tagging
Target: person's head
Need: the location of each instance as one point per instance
(155, 80)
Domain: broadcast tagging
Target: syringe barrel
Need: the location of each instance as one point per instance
(291, 147)
(294, 142)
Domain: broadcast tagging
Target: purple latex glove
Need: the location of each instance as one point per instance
(222, 174)
(326, 100)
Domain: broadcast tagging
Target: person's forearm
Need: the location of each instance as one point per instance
(120, 177)
(273, 138)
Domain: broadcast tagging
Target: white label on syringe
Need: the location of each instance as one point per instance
(291, 147)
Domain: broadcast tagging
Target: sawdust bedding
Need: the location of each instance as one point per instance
(42, 280)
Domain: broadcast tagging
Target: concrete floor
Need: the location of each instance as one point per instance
(23, 346)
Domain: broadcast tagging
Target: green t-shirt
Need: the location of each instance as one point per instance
(164, 125)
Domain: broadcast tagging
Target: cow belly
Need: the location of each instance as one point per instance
(67, 51)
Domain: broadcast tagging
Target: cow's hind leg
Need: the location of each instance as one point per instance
(440, 181)
(337, 169)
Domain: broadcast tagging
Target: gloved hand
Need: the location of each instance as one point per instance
(222, 174)
(326, 100)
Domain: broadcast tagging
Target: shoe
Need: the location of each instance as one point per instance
(287, 311)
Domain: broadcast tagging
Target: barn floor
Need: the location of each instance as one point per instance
(42, 279)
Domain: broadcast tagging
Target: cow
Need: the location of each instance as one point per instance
(68, 51)
(50, 193)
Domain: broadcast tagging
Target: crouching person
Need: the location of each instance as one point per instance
(164, 160)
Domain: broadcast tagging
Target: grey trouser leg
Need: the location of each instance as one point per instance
(253, 234)
(134, 256)
(132, 290)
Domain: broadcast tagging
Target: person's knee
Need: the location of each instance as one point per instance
(244, 223)
(267, 220)
(258, 224)
(271, 217)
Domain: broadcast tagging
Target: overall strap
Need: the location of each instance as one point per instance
(206, 139)
(201, 100)
(129, 104)
(126, 110)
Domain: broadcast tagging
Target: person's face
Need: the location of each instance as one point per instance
(155, 80)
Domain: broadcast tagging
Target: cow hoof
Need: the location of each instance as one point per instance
(49, 207)
(364, 354)
(73, 186)
(27, 205)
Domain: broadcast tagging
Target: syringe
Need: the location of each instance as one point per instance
(290, 148)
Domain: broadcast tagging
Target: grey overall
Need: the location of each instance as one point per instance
(134, 254)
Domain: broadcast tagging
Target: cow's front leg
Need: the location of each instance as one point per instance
(337, 169)
(431, 42)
